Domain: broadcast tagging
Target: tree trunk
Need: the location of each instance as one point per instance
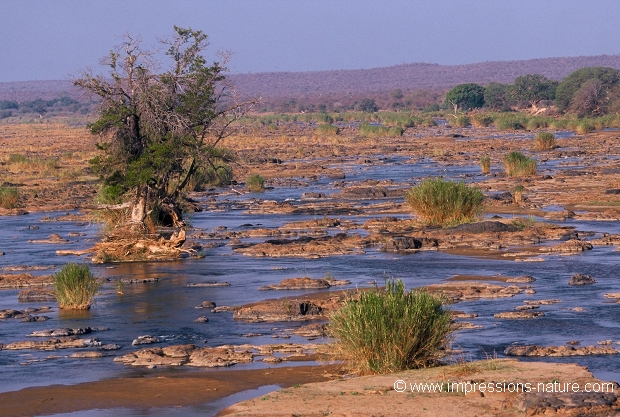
(138, 206)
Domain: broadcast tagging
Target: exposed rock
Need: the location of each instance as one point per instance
(526, 307)
(17, 314)
(33, 295)
(409, 244)
(206, 304)
(209, 284)
(307, 246)
(272, 311)
(459, 291)
(201, 319)
(111, 346)
(519, 314)
(311, 331)
(88, 354)
(371, 192)
(52, 239)
(484, 227)
(570, 246)
(541, 302)
(145, 340)
(216, 357)
(612, 295)
(556, 401)
(138, 280)
(56, 343)
(178, 351)
(30, 319)
(522, 279)
(579, 279)
(67, 332)
(304, 283)
(533, 350)
(24, 280)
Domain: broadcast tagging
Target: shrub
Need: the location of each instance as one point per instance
(327, 129)
(584, 127)
(485, 164)
(509, 122)
(75, 286)
(481, 120)
(390, 331)
(517, 194)
(255, 183)
(441, 202)
(545, 141)
(518, 165)
(8, 197)
(462, 121)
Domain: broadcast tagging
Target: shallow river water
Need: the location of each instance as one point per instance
(166, 308)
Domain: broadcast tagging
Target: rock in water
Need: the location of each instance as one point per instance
(579, 279)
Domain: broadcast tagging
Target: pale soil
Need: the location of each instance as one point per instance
(375, 395)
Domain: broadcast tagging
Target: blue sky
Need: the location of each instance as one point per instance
(43, 39)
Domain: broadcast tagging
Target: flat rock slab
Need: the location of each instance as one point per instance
(304, 283)
(52, 344)
(533, 350)
(516, 315)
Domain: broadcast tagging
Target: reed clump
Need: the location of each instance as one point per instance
(9, 197)
(76, 286)
(391, 330)
(545, 141)
(518, 165)
(255, 183)
(445, 203)
(485, 164)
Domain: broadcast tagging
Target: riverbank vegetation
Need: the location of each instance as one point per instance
(441, 202)
(76, 286)
(391, 330)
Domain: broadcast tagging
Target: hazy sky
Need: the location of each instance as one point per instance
(44, 39)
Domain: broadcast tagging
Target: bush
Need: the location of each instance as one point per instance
(75, 286)
(327, 129)
(485, 164)
(545, 141)
(462, 121)
(8, 197)
(441, 202)
(255, 183)
(390, 331)
(481, 120)
(518, 165)
(584, 127)
(510, 122)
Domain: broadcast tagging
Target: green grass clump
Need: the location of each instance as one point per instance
(327, 130)
(510, 122)
(445, 203)
(390, 331)
(255, 183)
(461, 121)
(485, 164)
(9, 197)
(545, 141)
(518, 165)
(481, 120)
(75, 286)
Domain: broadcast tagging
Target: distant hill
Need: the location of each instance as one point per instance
(407, 77)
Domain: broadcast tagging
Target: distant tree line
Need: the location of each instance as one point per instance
(589, 91)
(57, 106)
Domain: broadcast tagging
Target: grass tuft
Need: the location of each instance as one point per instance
(545, 141)
(518, 165)
(9, 197)
(255, 183)
(390, 331)
(75, 286)
(445, 203)
(485, 164)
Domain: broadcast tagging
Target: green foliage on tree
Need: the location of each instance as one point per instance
(161, 128)
(368, 105)
(496, 96)
(465, 96)
(533, 88)
(587, 90)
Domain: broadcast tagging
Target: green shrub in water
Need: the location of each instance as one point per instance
(75, 286)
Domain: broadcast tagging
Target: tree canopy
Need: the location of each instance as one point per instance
(465, 96)
(586, 89)
(160, 128)
(533, 88)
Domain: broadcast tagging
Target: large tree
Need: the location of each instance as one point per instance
(533, 88)
(160, 128)
(587, 90)
(465, 97)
